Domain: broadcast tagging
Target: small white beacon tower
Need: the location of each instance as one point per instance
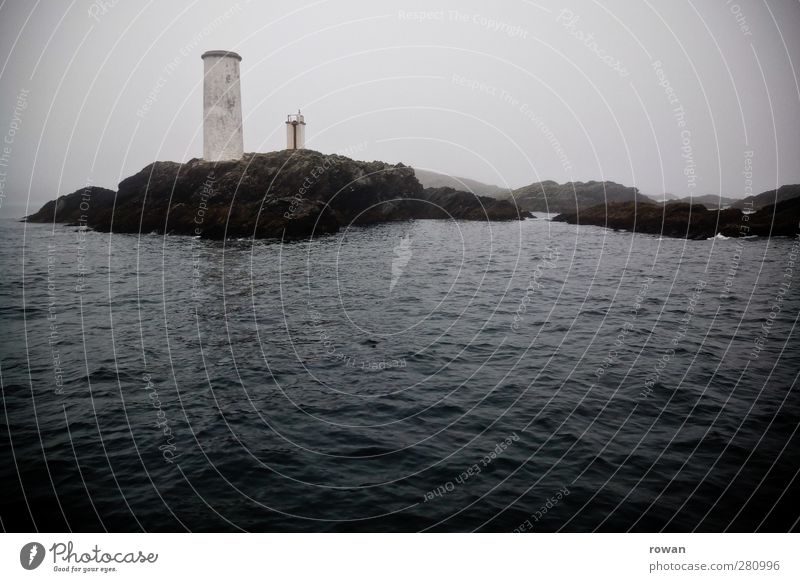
(295, 131)
(222, 107)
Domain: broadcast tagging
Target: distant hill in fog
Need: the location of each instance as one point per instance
(550, 196)
(767, 198)
(708, 200)
(711, 201)
(430, 179)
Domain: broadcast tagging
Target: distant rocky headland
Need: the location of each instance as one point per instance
(609, 204)
(547, 196)
(552, 197)
(691, 221)
(289, 193)
(297, 193)
(753, 202)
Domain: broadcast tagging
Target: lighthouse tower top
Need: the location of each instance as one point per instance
(295, 131)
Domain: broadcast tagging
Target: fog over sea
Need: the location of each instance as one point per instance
(423, 375)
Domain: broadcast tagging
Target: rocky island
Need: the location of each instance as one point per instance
(289, 193)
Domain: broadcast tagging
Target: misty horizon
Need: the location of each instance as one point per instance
(664, 98)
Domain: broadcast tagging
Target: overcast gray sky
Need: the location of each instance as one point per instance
(667, 96)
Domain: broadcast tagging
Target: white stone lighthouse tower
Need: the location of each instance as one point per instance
(222, 107)
(295, 131)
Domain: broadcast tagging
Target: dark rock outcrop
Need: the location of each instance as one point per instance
(449, 203)
(285, 193)
(76, 208)
(782, 219)
(550, 196)
(691, 221)
(768, 198)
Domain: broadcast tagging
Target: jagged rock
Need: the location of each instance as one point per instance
(79, 207)
(691, 221)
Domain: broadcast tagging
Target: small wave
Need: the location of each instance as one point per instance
(595, 311)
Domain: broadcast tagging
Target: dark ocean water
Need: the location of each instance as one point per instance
(429, 375)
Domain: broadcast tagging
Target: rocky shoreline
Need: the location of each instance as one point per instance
(272, 195)
(691, 221)
(299, 193)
